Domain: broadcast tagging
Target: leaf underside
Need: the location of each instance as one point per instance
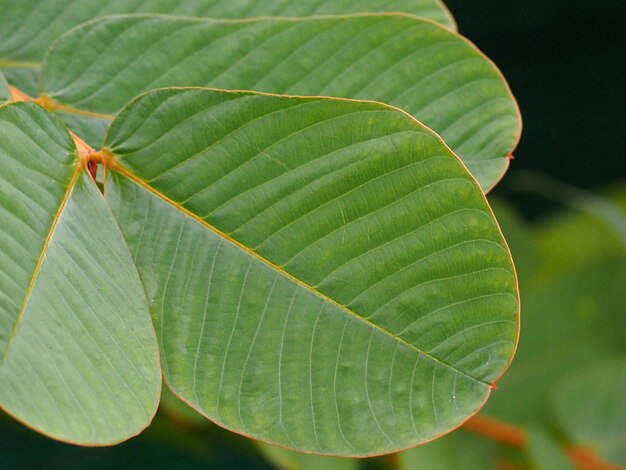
(322, 274)
(79, 359)
(427, 70)
(29, 27)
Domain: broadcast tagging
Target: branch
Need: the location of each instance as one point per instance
(514, 436)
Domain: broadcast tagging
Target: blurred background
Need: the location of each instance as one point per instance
(562, 207)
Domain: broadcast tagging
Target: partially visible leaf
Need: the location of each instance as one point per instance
(423, 68)
(28, 27)
(5, 94)
(458, 450)
(179, 411)
(323, 274)
(90, 130)
(78, 351)
(545, 452)
(589, 407)
(285, 459)
(25, 78)
(573, 319)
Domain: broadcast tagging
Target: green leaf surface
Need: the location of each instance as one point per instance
(544, 452)
(5, 94)
(419, 66)
(458, 450)
(78, 354)
(323, 274)
(24, 78)
(284, 459)
(28, 27)
(589, 407)
(573, 319)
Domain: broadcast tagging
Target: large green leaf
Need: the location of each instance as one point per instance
(323, 274)
(78, 353)
(29, 27)
(421, 67)
(589, 407)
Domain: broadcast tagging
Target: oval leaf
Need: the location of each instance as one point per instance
(323, 274)
(78, 351)
(423, 68)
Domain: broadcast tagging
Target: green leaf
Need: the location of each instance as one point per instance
(545, 452)
(458, 450)
(589, 407)
(284, 459)
(576, 317)
(29, 27)
(323, 274)
(25, 78)
(5, 94)
(423, 68)
(78, 354)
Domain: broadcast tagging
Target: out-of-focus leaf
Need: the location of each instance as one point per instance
(285, 459)
(589, 406)
(179, 411)
(347, 295)
(458, 450)
(575, 318)
(573, 238)
(432, 73)
(545, 452)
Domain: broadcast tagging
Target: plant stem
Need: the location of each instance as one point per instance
(514, 436)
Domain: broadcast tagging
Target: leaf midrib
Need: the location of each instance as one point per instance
(139, 181)
(37, 269)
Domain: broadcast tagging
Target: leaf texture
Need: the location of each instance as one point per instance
(421, 67)
(323, 274)
(79, 359)
(28, 27)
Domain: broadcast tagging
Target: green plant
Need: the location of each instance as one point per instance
(322, 273)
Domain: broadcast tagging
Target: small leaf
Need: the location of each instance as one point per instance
(423, 68)
(79, 356)
(323, 274)
(589, 407)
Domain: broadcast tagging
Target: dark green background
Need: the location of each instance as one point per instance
(566, 63)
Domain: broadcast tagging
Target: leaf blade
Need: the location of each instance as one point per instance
(245, 388)
(80, 363)
(26, 29)
(430, 72)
